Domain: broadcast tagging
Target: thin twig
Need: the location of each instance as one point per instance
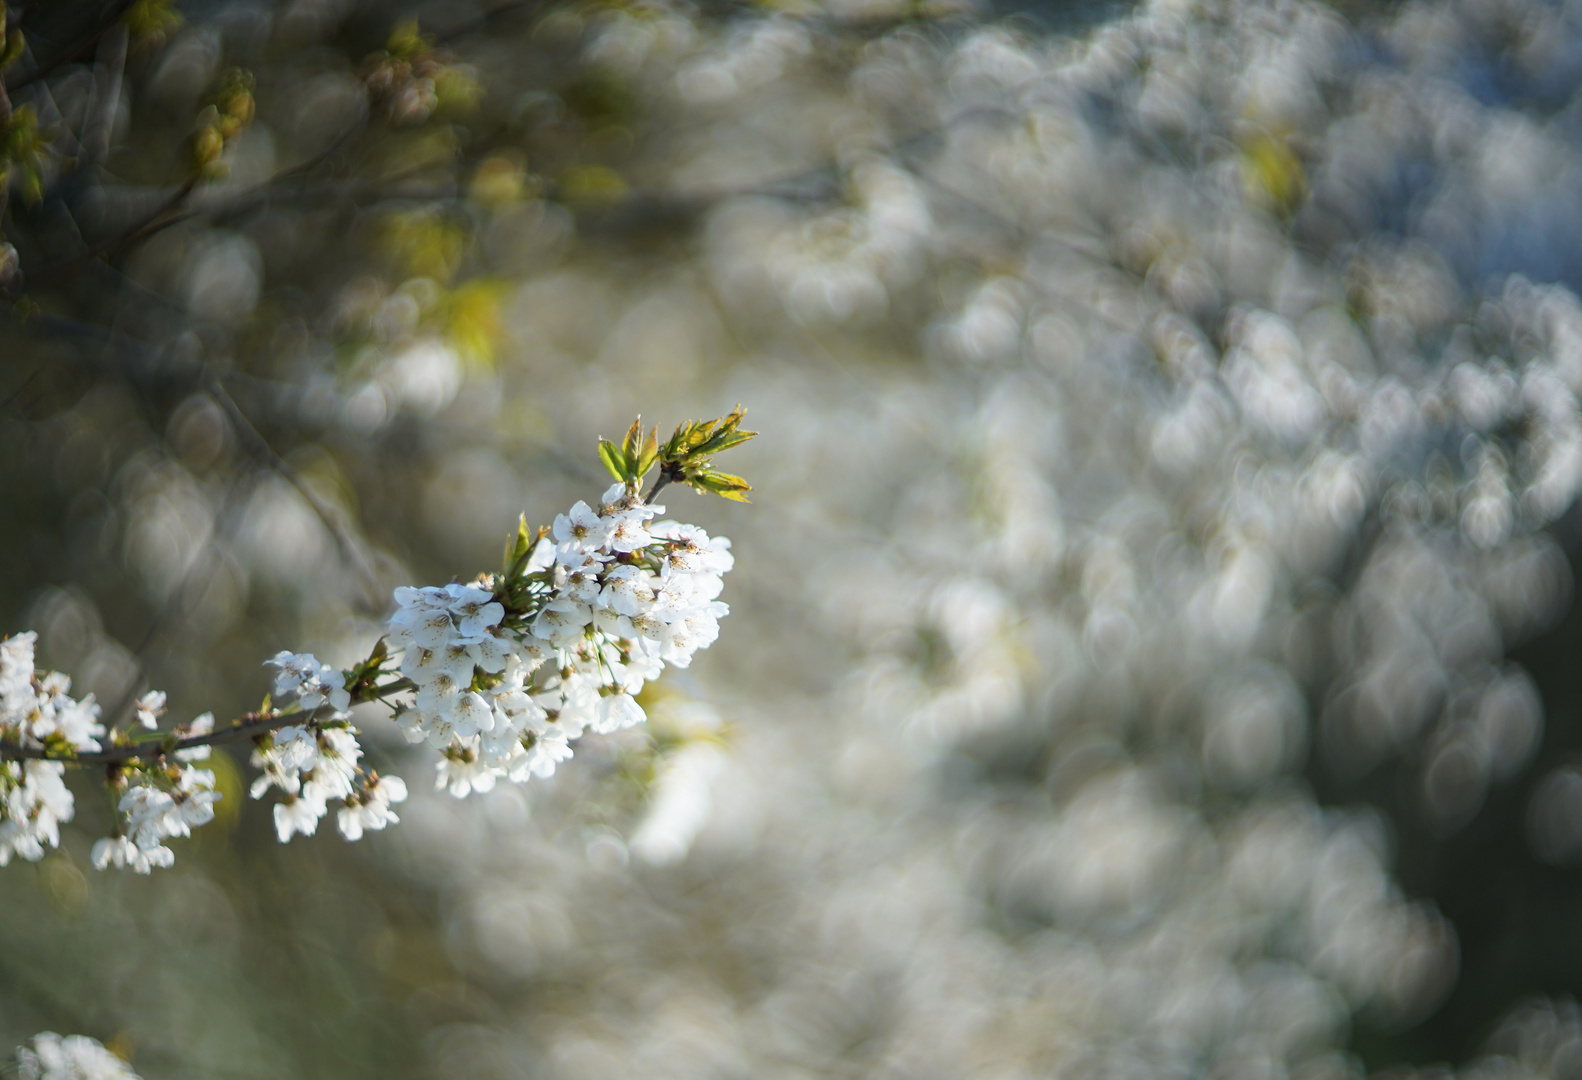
(350, 549)
(144, 228)
(664, 478)
(158, 221)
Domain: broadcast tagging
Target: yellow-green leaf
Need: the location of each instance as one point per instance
(631, 446)
(613, 459)
(723, 484)
(649, 453)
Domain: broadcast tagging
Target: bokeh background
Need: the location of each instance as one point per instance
(1152, 648)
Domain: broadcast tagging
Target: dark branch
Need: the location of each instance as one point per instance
(244, 727)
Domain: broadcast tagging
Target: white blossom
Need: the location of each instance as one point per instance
(16, 672)
(312, 683)
(562, 621)
(121, 853)
(283, 758)
(543, 746)
(35, 802)
(463, 771)
(154, 812)
(200, 725)
(370, 808)
(299, 813)
(580, 531)
(312, 767)
(150, 707)
(617, 711)
(74, 1057)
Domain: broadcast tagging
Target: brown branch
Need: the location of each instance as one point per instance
(169, 212)
(667, 475)
(244, 727)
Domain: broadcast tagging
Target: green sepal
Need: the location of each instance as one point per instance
(355, 678)
(59, 746)
(521, 549)
(517, 546)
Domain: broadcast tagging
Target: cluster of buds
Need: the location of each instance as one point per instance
(685, 457)
(501, 676)
(221, 122)
(151, 22)
(409, 79)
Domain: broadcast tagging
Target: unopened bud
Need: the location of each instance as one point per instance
(207, 145)
(379, 80)
(240, 108)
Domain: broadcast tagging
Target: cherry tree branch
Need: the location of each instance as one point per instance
(246, 726)
(243, 727)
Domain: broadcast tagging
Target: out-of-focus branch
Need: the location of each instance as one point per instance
(350, 548)
(165, 215)
(258, 447)
(482, 21)
(112, 67)
(77, 50)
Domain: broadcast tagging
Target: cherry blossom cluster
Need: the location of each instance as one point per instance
(37, 712)
(72, 1057)
(500, 675)
(505, 672)
(504, 693)
(161, 796)
(310, 682)
(315, 765)
(42, 723)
